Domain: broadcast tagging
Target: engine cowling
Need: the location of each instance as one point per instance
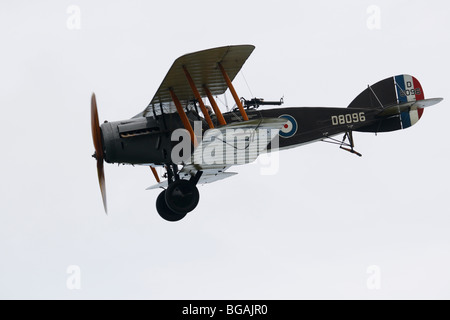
(136, 141)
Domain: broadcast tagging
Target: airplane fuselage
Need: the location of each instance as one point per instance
(147, 140)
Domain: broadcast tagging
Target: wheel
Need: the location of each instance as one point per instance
(182, 196)
(164, 211)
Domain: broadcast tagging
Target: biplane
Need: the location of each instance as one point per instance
(184, 112)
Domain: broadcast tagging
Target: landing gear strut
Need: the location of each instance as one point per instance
(351, 144)
(343, 144)
(180, 197)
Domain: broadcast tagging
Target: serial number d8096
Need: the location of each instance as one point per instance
(348, 118)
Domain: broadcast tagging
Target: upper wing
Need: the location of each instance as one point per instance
(202, 66)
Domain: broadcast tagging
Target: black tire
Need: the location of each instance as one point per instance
(164, 211)
(182, 196)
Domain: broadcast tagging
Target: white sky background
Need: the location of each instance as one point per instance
(309, 231)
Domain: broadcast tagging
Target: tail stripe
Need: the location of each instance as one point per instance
(420, 95)
(419, 91)
(406, 88)
(406, 119)
(414, 115)
(409, 90)
(400, 86)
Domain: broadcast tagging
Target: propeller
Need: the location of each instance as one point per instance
(99, 155)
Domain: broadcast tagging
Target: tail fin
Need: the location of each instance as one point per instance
(400, 100)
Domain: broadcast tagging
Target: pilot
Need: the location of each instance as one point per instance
(212, 115)
(209, 109)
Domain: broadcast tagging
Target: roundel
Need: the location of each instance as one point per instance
(290, 127)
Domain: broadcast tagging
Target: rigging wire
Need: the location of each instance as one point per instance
(226, 101)
(248, 87)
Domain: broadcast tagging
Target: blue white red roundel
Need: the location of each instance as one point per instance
(290, 127)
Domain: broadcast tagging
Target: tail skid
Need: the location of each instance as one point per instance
(347, 146)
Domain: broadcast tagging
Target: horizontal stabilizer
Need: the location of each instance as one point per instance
(427, 102)
(404, 107)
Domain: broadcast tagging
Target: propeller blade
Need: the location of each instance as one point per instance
(97, 139)
(101, 181)
(95, 126)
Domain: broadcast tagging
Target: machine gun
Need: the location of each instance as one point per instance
(255, 103)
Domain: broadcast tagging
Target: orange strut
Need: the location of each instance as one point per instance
(184, 118)
(155, 174)
(215, 107)
(198, 97)
(233, 92)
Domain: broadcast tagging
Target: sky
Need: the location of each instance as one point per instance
(325, 225)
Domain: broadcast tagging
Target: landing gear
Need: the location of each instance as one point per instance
(351, 144)
(343, 144)
(180, 197)
(164, 211)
